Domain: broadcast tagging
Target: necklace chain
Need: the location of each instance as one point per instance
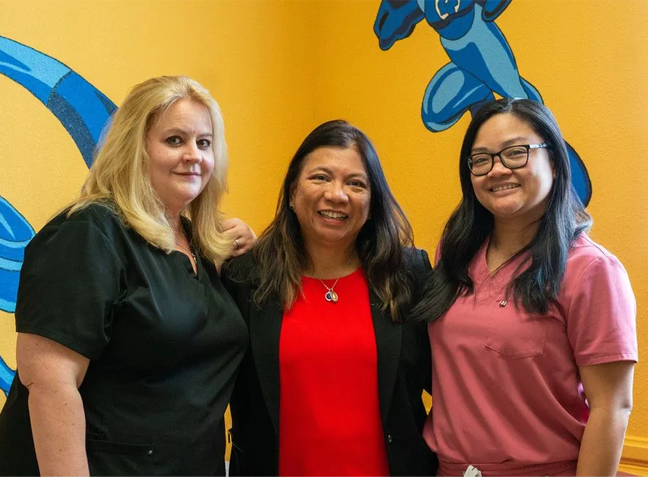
(179, 232)
(192, 255)
(331, 295)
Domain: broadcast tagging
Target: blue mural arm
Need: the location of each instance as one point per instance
(15, 234)
(6, 376)
(493, 8)
(396, 20)
(82, 109)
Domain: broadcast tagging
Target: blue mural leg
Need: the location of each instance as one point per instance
(531, 91)
(478, 105)
(450, 93)
(484, 52)
(15, 234)
(6, 376)
(82, 109)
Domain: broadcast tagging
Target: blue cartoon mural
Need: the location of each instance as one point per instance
(83, 111)
(481, 62)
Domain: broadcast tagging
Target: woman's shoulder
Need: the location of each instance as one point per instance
(585, 250)
(587, 255)
(95, 220)
(240, 269)
(92, 231)
(416, 259)
(98, 214)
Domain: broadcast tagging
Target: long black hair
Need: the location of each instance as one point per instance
(280, 255)
(536, 287)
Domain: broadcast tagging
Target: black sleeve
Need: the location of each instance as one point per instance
(69, 286)
(422, 269)
(236, 277)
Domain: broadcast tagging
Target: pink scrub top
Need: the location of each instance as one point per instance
(507, 393)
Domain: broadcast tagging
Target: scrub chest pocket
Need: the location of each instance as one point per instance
(515, 333)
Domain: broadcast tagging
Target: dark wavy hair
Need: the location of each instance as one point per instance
(536, 286)
(280, 255)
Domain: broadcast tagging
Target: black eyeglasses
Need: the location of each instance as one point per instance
(512, 157)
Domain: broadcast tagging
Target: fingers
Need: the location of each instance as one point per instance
(242, 234)
(229, 224)
(243, 244)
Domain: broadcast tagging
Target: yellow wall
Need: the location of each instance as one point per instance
(278, 68)
(589, 59)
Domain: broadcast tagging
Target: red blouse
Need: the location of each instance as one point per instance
(329, 414)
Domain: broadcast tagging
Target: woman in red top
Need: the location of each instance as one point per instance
(333, 379)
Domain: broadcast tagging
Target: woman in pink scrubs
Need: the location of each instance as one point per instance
(532, 329)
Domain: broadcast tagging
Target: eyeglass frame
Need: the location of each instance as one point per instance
(528, 147)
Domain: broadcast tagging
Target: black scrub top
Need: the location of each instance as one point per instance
(164, 346)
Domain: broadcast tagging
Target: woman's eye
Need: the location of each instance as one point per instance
(480, 160)
(204, 143)
(357, 184)
(319, 178)
(174, 140)
(516, 152)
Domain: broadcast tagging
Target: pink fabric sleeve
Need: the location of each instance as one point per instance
(601, 319)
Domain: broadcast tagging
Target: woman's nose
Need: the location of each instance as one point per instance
(499, 168)
(192, 153)
(336, 193)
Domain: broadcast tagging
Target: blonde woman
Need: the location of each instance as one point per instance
(128, 344)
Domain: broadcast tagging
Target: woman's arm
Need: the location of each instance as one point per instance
(53, 374)
(608, 388)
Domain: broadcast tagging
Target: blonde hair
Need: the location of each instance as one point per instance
(119, 175)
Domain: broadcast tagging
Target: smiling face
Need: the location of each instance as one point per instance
(331, 197)
(181, 156)
(519, 194)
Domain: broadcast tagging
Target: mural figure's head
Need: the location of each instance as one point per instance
(335, 192)
(526, 182)
(135, 164)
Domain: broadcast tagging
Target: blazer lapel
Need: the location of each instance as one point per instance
(388, 345)
(265, 330)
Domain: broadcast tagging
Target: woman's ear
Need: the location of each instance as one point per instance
(291, 199)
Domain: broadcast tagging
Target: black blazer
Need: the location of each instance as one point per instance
(404, 371)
